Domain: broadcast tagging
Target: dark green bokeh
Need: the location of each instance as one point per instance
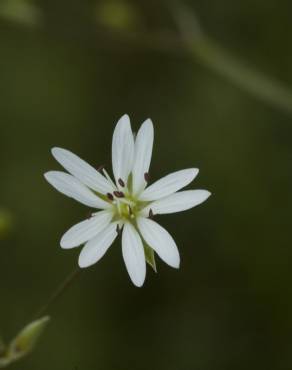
(65, 80)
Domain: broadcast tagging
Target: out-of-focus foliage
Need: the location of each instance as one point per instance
(211, 55)
(23, 343)
(20, 11)
(117, 15)
(5, 223)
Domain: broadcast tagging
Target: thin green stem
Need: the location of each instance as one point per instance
(193, 40)
(213, 56)
(58, 292)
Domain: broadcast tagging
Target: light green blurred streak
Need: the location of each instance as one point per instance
(20, 11)
(117, 14)
(213, 56)
(6, 223)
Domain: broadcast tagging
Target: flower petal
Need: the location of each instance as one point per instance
(86, 230)
(143, 153)
(73, 188)
(177, 202)
(82, 170)
(133, 253)
(122, 149)
(169, 184)
(160, 240)
(95, 249)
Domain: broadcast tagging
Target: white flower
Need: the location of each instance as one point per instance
(127, 204)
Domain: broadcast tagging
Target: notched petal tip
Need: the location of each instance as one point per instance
(57, 152)
(176, 265)
(48, 175)
(148, 122)
(83, 265)
(195, 171)
(138, 284)
(55, 149)
(205, 194)
(65, 244)
(208, 194)
(124, 119)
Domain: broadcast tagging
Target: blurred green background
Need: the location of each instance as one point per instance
(69, 70)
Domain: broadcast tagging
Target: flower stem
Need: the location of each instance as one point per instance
(58, 292)
(210, 54)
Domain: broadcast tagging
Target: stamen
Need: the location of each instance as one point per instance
(146, 176)
(110, 196)
(131, 212)
(121, 182)
(89, 215)
(119, 229)
(119, 194)
(100, 168)
(126, 201)
(151, 214)
(108, 178)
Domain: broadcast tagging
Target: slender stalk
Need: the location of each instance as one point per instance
(207, 52)
(192, 40)
(254, 82)
(58, 292)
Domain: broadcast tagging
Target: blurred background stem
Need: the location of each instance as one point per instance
(207, 51)
(120, 19)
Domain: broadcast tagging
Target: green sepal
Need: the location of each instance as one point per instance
(150, 256)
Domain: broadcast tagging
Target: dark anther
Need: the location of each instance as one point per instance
(100, 168)
(119, 194)
(121, 182)
(146, 176)
(130, 211)
(89, 215)
(110, 196)
(151, 214)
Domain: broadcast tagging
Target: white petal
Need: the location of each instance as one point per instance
(143, 153)
(169, 184)
(160, 240)
(86, 230)
(95, 249)
(177, 202)
(133, 253)
(122, 149)
(73, 188)
(82, 170)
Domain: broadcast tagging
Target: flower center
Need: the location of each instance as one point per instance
(126, 208)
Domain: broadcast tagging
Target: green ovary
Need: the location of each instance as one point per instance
(128, 209)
